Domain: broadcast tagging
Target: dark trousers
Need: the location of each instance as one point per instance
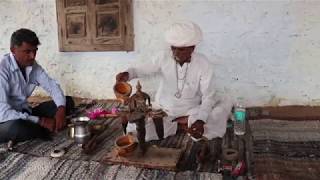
(22, 130)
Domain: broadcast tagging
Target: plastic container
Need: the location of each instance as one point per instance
(239, 120)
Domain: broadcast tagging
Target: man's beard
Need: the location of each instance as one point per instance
(177, 59)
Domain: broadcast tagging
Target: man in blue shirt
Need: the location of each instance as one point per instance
(19, 76)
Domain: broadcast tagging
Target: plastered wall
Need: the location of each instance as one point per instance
(265, 52)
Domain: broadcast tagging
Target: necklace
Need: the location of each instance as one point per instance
(178, 94)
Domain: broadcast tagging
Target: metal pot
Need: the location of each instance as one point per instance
(71, 131)
(79, 130)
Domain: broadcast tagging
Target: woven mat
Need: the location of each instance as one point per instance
(27, 167)
(31, 159)
(285, 149)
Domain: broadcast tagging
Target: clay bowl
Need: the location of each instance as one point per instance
(122, 90)
(125, 145)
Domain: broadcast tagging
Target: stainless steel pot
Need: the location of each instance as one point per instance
(79, 130)
(71, 131)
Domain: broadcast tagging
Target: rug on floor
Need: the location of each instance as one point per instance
(28, 167)
(286, 149)
(31, 159)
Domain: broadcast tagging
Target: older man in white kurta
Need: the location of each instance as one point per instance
(186, 89)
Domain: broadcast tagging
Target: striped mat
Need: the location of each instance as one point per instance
(24, 166)
(286, 150)
(31, 159)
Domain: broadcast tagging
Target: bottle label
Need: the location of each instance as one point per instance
(240, 115)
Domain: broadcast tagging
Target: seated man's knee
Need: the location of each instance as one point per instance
(18, 128)
(21, 130)
(18, 125)
(9, 130)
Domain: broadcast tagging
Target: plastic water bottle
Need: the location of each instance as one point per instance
(239, 120)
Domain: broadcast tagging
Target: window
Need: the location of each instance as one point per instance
(95, 25)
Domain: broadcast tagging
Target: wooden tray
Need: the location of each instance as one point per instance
(155, 157)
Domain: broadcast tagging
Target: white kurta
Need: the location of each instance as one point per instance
(198, 100)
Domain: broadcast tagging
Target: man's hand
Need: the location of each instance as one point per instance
(60, 118)
(181, 120)
(182, 123)
(48, 123)
(123, 76)
(196, 130)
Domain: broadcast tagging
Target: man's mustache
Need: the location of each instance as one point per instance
(176, 58)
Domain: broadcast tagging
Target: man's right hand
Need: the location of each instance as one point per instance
(48, 123)
(123, 76)
(182, 123)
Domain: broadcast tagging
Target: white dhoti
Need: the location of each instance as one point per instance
(169, 128)
(215, 125)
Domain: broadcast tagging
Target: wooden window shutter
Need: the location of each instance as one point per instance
(95, 25)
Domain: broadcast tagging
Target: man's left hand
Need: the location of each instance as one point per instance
(60, 118)
(197, 128)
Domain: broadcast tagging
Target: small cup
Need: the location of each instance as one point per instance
(125, 145)
(122, 91)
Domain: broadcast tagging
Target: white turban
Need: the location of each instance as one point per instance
(183, 34)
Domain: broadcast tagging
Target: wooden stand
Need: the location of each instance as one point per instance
(155, 157)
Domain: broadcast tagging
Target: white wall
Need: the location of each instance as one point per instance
(265, 52)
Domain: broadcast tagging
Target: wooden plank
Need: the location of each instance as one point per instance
(285, 112)
(155, 158)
